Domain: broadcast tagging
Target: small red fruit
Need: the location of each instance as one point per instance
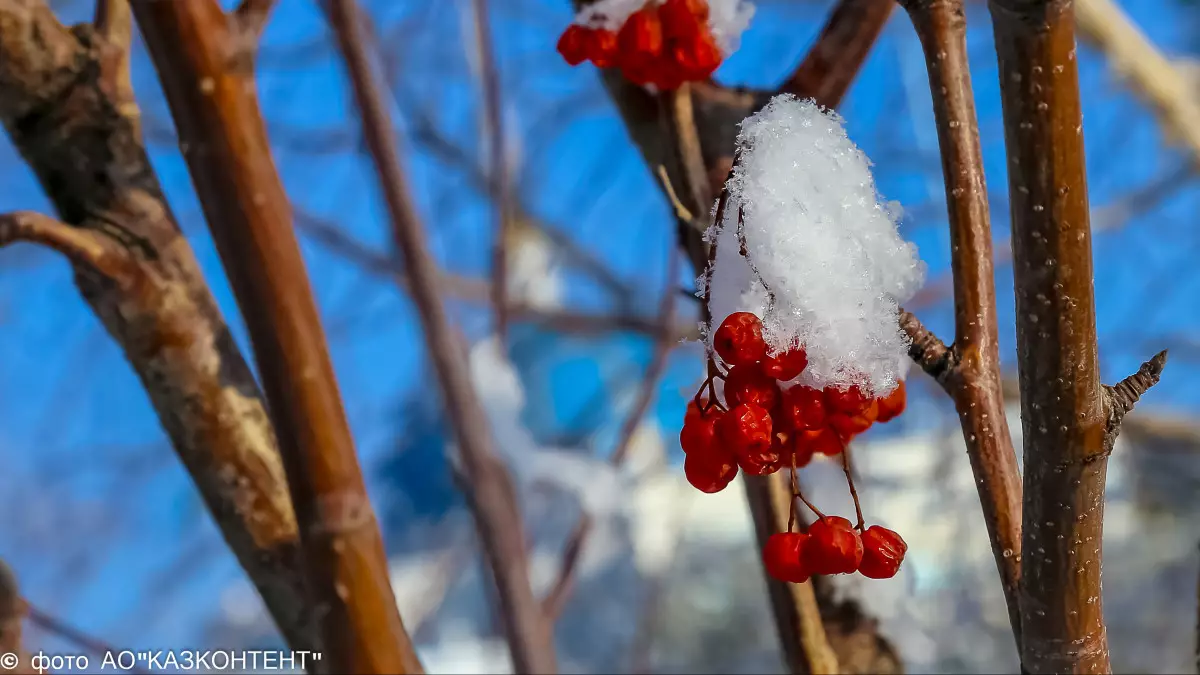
(786, 365)
(602, 49)
(847, 426)
(640, 40)
(708, 473)
(833, 547)
(699, 56)
(699, 431)
(883, 551)
(678, 21)
(574, 44)
(850, 400)
(762, 465)
(739, 339)
(803, 408)
(822, 441)
(893, 404)
(783, 556)
(747, 384)
(747, 431)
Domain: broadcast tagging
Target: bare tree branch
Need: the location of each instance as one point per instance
(971, 374)
(229, 158)
(830, 66)
(62, 117)
(491, 492)
(1063, 405)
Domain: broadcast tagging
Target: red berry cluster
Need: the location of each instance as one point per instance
(665, 43)
(833, 546)
(763, 427)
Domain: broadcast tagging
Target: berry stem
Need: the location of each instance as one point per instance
(745, 251)
(850, 481)
(799, 495)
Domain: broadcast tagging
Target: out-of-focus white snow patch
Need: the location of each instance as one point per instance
(241, 605)
(533, 270)
(727, 19)
(824, 244)
(463, 652)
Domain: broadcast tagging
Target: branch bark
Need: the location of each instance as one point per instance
(830, 66)
(60, 112)
(1068, 416)
(971, 369)
(491, 492)
(12, 611)
(199, 53)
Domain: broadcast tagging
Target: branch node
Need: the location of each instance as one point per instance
(927, 350)
(84, 248)
(1122, 396)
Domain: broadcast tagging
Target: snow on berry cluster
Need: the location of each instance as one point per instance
(806, 275)
(824, 265)
(663, 43)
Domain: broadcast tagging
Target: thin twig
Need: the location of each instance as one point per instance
(970, 370)
(69, 633)
(494, 500)
(489, 75)
(830, 66)
(555, 598)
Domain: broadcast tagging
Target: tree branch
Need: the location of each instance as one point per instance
(832, 63)
(229, 158)
(1121, 397)
(972, 378)
(1062, 400)
(88, 157)
(492, 496)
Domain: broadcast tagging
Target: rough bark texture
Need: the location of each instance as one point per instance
(140, 277)
(972, 377)
(1063, 406)
(488, 486)
(205, 64)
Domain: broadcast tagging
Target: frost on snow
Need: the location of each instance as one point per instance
(825, 246)
(727, 19)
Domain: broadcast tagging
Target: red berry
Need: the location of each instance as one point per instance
(849, 426)
(681, 18)
(739, 339)
(783, 557)
(786, 365)
(822, 441)
(747, 384)
(883, 551)
(574, 44)
(699, 57)
(640, 40)
(746, 429)
(849, 400)
(893, 404)
(699, 431)
(762, 465)
(791, 445)
(803, 408)
(602, 49)
(833, 547)
(709, 473)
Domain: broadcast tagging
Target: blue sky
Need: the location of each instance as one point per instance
(107, 516)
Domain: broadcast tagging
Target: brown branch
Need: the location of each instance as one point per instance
(491, 494)
(832, 63)
(88, 251)
(60, 114)
(113, 24)
(1062, 400)
(217, 114)
(973, 378)
(251, 17)
(498, 176)
(12, 611)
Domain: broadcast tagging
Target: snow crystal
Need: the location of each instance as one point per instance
(827, 248)
(727, 19)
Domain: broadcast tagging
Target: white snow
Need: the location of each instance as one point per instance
(727, 19)
(824, 243)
